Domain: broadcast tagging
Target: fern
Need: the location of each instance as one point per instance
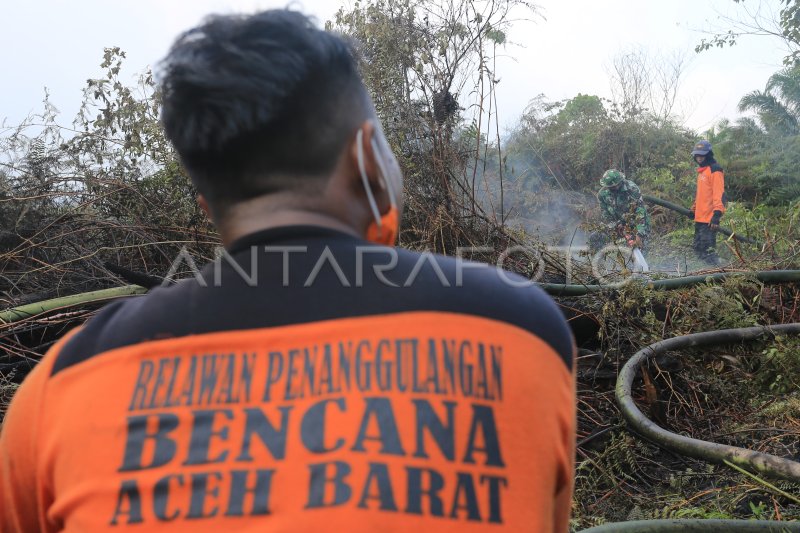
(670, 512)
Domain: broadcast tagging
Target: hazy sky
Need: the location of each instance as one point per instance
(58, 44)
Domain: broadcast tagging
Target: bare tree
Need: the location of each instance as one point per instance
(668, 71)
(631, 81)
(642, 82)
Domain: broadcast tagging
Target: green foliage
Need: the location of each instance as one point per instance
(778, 367)
(496, 36)
(790, 26)
(580, 112)
(570, 144)
(748, 221)
(761, 157)
(783, 410)
(723, 307)
(760, 511)
(108, 190)
(617, 462)
(778, 106)
(671, 512)
(669, 182)
(121, 142)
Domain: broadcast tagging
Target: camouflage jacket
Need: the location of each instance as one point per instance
(624, 205)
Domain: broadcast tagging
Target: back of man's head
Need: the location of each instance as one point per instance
(260, 104)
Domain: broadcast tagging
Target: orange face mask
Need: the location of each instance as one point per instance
(386, 233)
(384, 229)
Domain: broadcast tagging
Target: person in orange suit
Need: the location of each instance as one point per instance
(709, 203)
(314, 377)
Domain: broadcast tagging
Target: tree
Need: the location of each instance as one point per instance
(760, 154)
(763, 19)
(645, 82)
(570, 144)
(778, 106)
(107, 191)
(423, 61)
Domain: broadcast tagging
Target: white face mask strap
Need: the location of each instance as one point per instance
(364, 179)
(384, 173)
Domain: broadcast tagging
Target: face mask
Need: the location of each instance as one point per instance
(384, 229)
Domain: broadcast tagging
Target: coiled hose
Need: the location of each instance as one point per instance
(710, 451)
(761, 462)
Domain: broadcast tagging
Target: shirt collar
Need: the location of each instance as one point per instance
(288, 233)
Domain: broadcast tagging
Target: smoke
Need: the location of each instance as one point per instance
(549, 215)
(534, 204)
(553, 217)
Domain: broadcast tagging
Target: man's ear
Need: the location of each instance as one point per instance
(376, 182)
(203, 203)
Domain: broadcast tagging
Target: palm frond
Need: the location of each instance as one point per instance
(786, 84)
(773, 114)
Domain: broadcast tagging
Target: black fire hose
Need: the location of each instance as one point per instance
(699, 526)
(687, 213)
(556, 289)
(764, 276)
(767, 464)
(709, 451)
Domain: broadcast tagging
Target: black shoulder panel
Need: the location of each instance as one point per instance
(82, 346)
(338, 276)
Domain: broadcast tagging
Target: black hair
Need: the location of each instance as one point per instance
(251, 103)
(709, 160)
(715, 167)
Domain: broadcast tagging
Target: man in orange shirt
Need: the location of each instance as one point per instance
(314, 377)
(709, 203)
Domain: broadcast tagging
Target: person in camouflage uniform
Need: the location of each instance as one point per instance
(623, 208)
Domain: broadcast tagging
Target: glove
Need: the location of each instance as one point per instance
(634, 241)
(715, 218)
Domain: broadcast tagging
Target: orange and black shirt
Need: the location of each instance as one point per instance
(710, 195)
(307, 381)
